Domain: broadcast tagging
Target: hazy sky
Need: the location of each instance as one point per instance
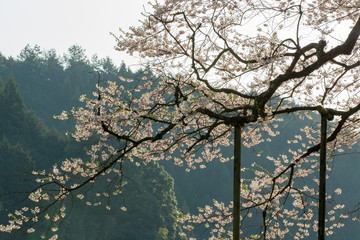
(59, 24)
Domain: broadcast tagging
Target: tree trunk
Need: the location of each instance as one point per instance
(237, 179)
(322, 183)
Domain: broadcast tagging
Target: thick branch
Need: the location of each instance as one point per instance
(342, 49)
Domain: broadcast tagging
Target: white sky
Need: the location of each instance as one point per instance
(59, 24)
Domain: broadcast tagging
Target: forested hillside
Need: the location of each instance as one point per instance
(39, 84)
(50, 84)
(26, 144)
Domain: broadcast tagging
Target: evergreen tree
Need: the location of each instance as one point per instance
(13, 100)
(53, 66)
(22, 126)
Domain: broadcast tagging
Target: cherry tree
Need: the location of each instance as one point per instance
(226, 73)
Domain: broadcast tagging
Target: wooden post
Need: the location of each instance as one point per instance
(322, 178)
(237, 182)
